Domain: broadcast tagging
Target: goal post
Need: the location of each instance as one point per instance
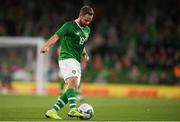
(9, 42)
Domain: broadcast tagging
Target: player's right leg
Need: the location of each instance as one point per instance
(52, 114)
(61, 102)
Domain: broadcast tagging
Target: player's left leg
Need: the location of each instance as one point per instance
(71, 95)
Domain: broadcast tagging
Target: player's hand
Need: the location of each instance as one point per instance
(86, 57)
(84, 61)
(44, 49)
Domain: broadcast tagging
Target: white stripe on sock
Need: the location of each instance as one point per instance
(72, 104)
(72, 98)
(60, 100)
(57, 106)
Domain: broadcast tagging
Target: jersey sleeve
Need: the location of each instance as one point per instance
(63, 30)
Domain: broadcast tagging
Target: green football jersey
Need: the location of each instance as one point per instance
(72, 40)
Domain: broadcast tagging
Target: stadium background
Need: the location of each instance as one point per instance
(134, 46)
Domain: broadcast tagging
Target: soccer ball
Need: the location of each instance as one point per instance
(87, 111)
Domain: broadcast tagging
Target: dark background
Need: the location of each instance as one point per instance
(132, 41)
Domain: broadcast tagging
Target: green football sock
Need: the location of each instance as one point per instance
(71, 95)
(61, 102)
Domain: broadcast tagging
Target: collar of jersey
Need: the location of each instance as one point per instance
(78, 24)
(80, 27)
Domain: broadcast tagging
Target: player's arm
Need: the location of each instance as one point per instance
(85, 54)
(51, 41)
(60, 33)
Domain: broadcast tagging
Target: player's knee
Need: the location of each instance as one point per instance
(72, 82)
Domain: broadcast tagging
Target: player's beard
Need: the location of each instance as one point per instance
(83, 23)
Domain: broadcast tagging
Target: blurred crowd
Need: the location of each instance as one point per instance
(131, 41)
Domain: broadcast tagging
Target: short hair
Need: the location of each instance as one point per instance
(86, 10)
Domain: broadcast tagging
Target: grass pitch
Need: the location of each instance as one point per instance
(32, 108)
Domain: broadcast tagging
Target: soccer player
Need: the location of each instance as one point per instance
(72, 37)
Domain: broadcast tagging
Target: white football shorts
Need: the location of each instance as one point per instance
(70, 67)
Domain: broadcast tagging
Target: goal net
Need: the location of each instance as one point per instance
(22, 55)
